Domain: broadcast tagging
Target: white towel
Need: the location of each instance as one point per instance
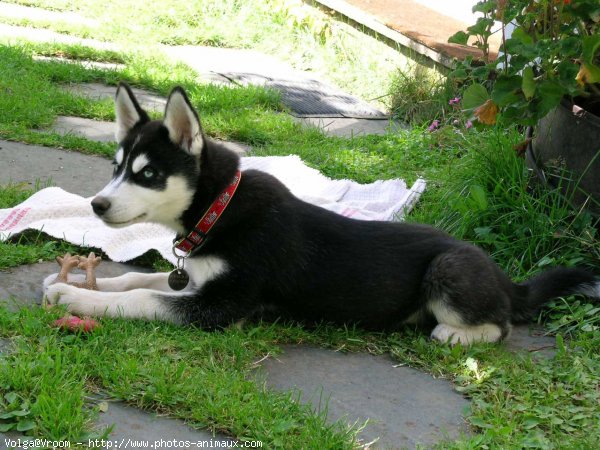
(70, 217)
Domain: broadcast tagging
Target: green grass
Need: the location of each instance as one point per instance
(490, 198)
(288, 29)
(478, 190)
(204, 378)
(418, 95)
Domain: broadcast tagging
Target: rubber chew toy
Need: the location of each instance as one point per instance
(67, 263)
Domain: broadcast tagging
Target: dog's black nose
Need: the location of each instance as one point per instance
(100, 205)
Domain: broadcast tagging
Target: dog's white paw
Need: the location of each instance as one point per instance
(445, 334)
(468, 335)
(59, 293)
(73, 297)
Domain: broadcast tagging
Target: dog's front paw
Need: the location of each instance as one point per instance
(73, 297)
(59, 293)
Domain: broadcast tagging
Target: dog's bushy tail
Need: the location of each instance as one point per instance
(553, 283)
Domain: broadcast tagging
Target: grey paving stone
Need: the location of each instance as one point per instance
(104, 132)
(347, 127)
(306, 97)
(133, 424)
(94, 130)
(532, 339)
(80, 174)
(134, 428)
(404, 406)
(22, 285)
(302, 93)
(146, 99)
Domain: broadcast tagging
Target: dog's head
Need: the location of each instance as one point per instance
(157, 163)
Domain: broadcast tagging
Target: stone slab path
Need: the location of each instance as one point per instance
(403, 406)
(104, 131)
(133, 424)
(73, 171)
(96, 91)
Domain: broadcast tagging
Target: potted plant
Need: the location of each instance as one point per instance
(547, 76)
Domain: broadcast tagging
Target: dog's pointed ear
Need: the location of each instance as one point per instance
(128, 111)
(183, 123)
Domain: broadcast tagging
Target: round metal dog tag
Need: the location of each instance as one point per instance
(178, 279)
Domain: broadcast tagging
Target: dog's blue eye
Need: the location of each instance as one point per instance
(148, 173)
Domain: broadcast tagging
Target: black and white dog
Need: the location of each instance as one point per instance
(269, 254)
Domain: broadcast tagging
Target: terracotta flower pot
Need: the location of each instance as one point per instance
(566, 151)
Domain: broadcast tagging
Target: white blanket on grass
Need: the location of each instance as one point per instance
(68, 216)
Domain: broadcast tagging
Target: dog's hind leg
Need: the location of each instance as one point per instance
(469, 297)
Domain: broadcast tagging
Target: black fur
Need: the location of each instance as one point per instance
(288, 258)
(306, 263)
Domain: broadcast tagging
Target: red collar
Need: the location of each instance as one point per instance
(196, 237)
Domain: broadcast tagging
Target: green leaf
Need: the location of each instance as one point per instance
(590, 46)
(483, 232)
(528, 83)
(550, 94)
(458, 74)
(569, 45)
(545, 261)
(10, 397)
(459, 37)
(284, 425)
(484, 6)
(474, 96)
(519, 34)
(530, 423)
(481, 73)
(25, 425)
(479, 422)
(567, 72)
(482, 27)
(506, 89)
(4, 427)
(478, 196)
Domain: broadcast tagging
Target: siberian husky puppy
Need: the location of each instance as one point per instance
(248, 248)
